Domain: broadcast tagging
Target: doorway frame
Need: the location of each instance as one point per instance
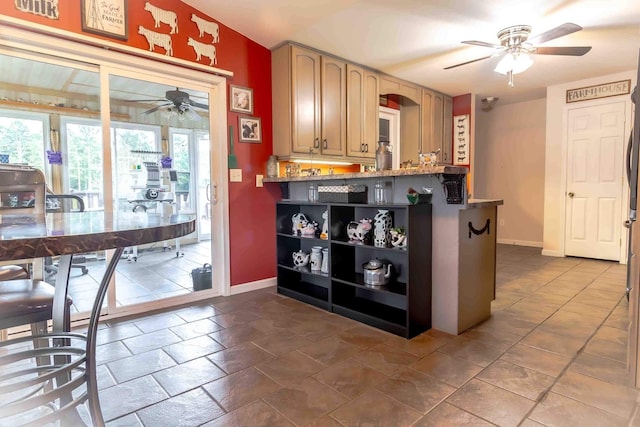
(393, 116)
(107, 61)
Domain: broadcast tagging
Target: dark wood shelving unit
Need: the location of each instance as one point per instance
(402, 307)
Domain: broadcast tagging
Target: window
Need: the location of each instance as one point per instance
(22, 137)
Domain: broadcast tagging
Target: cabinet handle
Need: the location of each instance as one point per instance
(445, 156)
(481, 231)
(366, 148)
(316, 143)
(362, 147)
(324, 144)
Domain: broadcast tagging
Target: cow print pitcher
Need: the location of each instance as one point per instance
(382, 224)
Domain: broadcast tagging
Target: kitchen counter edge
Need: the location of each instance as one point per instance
(430, 170)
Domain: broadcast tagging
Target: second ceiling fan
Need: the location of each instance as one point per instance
(516, 46)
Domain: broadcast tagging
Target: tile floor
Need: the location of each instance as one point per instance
(553, 353)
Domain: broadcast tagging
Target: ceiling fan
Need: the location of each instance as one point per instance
(516, 46)
(178, 101)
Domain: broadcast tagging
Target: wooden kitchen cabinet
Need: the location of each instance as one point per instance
(392, 85)
(436, 120)
(362, 112)
(309, 103)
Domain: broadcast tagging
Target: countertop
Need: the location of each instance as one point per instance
(483, 203)
(428, 170)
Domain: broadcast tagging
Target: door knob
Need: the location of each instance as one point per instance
(571, 194)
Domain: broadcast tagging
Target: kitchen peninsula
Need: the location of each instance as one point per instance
(456, 241)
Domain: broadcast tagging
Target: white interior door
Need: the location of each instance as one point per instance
(390, 130)
(594, 181)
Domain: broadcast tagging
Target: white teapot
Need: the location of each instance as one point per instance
(300, 259)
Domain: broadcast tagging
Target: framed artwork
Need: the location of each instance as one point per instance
(461, 140)
(250, 129)
(241, 99)
(105, 18)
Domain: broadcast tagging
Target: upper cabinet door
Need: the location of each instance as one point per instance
(333, 107)
(362, 112)
(447, 131)
(305, 107)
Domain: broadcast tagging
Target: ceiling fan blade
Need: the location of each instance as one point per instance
(197, 104)
(468, 62)
(145, 100)
(483, 44)
(154, 109)
(562, 50)
(554, 33)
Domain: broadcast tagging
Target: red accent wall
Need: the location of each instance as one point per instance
(462, 104)
(251, 209)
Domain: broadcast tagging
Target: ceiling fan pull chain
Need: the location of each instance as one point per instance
(510, 78)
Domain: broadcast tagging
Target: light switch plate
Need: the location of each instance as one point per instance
(235, 175)
(259, 180)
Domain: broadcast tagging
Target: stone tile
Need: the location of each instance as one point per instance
(272, 326)
(472, 351)
(131, 420)
(613, 398)
(314, 329)
(559, 344)
(158, 321)
(350, 377)
(241, 388)
(601, 368)
(491, 403)
(386, 359)
(448, 369)
(110, 352)
(611, 350)
(129, 397)
(305, 401)
(421, 345)
(235, 335)
(104, 377)
(517, 379)
(117, 332)
(561, 411)
(195, 312)
(193, 348)
(500, 322)
(538, 360)
(363, 336)
(256, 414)
(281, 343)
(185, 410)
(375, 409)
(446, 415)
(139, 365)
(187, 376)
(530, 423)
(290, 368)
(195, 329)
(615, 335)
(233, 319)
(325, 421)
(239, 357)
(330, 350)
(419, 391)
(151, 341)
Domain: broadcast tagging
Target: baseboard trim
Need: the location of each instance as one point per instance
(519, 243)
(547, 252)
(252, 286)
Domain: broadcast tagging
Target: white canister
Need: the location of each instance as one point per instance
(316, 258)
(325, 261)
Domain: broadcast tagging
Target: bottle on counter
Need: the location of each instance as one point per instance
(383, 156)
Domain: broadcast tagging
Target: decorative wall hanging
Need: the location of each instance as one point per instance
(605, 90)
(241, 99)
(206, 27)
(157, 39)
(250, 129)
(203, 49)
(461, 140)
(105, 18)
(46, 8)
(161, 16)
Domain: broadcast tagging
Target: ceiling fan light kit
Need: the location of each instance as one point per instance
(517, 48)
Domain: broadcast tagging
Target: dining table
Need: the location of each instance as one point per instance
(58, 385)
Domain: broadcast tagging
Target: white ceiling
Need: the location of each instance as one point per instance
(416, 39)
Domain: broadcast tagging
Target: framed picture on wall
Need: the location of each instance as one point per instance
(105, 18)
(241, 99)
(250, 129)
